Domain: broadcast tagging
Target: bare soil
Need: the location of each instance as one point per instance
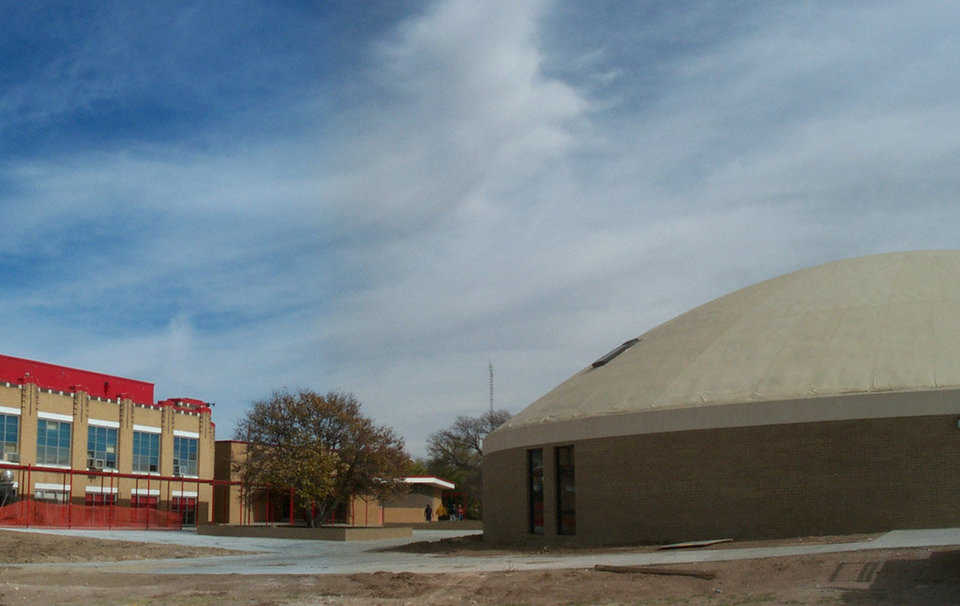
(888, 577)
(23, 547)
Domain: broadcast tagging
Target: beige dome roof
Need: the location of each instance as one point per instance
(881, 323)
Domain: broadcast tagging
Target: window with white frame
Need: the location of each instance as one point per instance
(53, 442)
(101, 447)
(57, 493)
(146, 452)
(184, 456)
(9, 430)
(100, 498)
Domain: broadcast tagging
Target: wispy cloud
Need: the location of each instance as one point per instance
(231, 203)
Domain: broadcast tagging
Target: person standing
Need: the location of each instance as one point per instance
(428, 512)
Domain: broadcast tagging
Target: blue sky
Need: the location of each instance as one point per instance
(381, 198)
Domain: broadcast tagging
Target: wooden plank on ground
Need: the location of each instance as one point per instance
(689, 544)
(699, 574)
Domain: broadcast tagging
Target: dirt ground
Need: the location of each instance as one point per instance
(900, 577)
(894, 577)
(23, 547)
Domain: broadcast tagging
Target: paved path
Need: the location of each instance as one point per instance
(286, 556)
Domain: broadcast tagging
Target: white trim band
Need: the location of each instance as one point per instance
(183, 493)
(103, 423)
(430, 481)
(146, 428)
(143, 492)
(101, 489)
(54, 416)
(49, 486)
(9, 410)
(186, 434)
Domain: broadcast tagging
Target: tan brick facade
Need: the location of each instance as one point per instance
(782, 480)
(30, 403)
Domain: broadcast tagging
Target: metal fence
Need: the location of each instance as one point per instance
(46, 496)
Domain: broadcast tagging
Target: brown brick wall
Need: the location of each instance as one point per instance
(228, 502)
(750, 482)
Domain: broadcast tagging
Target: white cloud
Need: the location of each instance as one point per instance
(472, 205)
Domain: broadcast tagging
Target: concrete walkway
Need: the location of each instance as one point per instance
(283, 556)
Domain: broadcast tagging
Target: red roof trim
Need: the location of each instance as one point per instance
(185, 405)
(64, 378)
(95, 384)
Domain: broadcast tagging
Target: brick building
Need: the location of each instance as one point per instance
(61, 421)
(825, 401)
(238, 504)
(409, 508)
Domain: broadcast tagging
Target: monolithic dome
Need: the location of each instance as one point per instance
(825, 401)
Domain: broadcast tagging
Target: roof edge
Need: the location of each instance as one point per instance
(430, 481)
(843, 407)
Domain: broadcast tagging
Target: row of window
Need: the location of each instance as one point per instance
(98, 498)
(186, 506)
(53, 447)
(566, 497)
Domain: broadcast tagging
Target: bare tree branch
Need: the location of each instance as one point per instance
(456, 453)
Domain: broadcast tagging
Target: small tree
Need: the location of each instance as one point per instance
(322, 447)
(456, 453)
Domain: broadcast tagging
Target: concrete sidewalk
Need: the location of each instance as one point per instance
(281, 556)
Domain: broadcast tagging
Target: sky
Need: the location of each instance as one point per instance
(227, 199)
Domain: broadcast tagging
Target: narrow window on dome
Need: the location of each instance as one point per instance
(616, 352)
(535, 486)
(566, 492)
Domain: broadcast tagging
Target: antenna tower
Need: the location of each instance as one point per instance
(491, 386)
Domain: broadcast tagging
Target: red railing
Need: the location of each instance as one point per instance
(155, 501)
(101, 508)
